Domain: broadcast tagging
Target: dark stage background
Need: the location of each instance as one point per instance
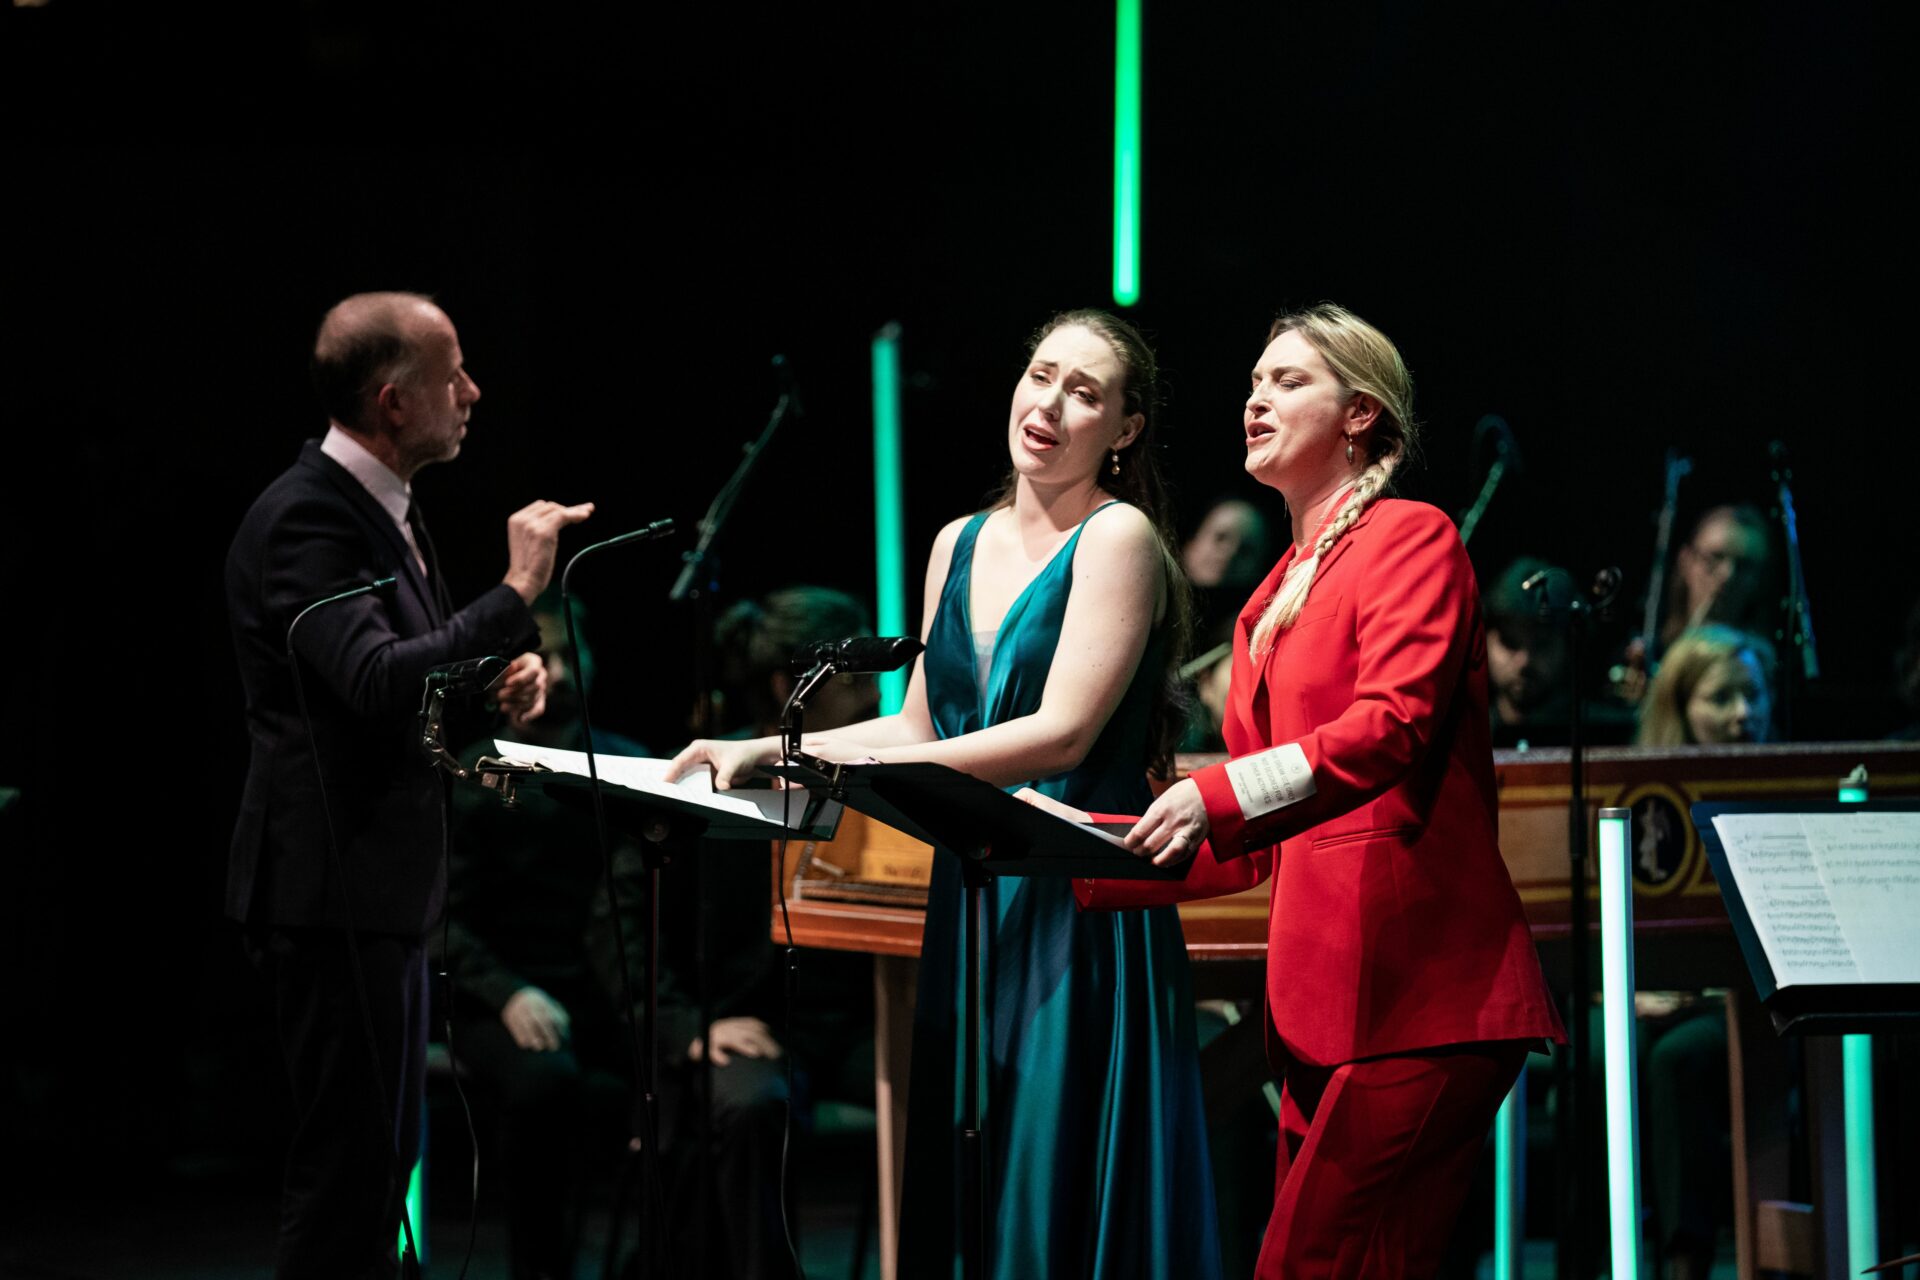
(1622, 231)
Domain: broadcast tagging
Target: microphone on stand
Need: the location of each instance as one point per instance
(789, 389)
(696, 576)
(1799, 609)
(856, 655)
(1551, 590)
(658, 529)
(452, 680)
(475, 675)
(1506, 457)
(346, 591)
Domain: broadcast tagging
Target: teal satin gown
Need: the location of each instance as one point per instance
(1095, 1134)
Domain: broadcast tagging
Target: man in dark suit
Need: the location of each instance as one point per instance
(341, 935)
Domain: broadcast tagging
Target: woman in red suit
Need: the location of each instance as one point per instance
(1403, 989)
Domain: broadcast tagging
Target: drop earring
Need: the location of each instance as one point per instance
(1116, 461)
(1349, 448)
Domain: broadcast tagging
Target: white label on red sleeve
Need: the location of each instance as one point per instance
(1269, 780)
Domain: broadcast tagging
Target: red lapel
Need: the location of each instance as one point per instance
(1247, 705)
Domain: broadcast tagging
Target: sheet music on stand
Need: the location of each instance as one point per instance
(744, 813)
(1824, 899)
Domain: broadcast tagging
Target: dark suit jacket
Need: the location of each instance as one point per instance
(364, 661)
(1394, 925)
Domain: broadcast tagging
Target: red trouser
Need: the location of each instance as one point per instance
(1376, 1158)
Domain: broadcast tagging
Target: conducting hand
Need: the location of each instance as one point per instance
(748, 1037)
(533, 534)
(536, 1020)
(1173, 827)
(522, 691)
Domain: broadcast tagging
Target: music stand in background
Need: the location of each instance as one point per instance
(989, 833)
(1823, 917)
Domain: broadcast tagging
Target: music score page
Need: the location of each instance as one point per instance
(1834, 898)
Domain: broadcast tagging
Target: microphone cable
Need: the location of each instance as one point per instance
(790, 983)
(439, 758)
(445, 975)
(380, 586)
(646, 1081)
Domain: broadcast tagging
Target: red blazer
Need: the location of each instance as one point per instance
(1394, 925)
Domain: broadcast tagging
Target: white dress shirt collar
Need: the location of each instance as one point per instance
(394, 495)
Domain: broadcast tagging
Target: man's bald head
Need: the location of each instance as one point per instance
(365, 342)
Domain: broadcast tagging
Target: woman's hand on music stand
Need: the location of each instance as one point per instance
(1049, 805)
(732, 761)
(1174, 827)
(839, 750)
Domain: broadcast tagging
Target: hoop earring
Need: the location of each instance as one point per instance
(1116, 461)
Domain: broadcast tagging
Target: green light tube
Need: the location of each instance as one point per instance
(415, 1198)
(1616, 1015)
(889, 510)
(1126, 152)
(1510, 1180)
(1856, 1109)
(1856, 1094)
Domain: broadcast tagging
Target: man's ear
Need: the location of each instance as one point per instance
(390, 402)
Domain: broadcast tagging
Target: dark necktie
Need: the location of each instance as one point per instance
(417, 523)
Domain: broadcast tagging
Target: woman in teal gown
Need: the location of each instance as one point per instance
(1051, 619)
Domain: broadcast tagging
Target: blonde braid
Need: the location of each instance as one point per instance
(1284, 608)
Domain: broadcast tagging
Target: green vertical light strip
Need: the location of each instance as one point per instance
(1510, 1180)
(1126, 152)
(1856, 1094)
(1856, 1109)
(1616, 1014)
(415, 1196)
(889, 509)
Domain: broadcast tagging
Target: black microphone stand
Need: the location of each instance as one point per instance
(1575, 615)
(699, 581)
(645, 1041)
(1679, 468)
(1799, 621)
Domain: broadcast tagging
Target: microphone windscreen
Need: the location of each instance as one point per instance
(474, 675)
(858, 655)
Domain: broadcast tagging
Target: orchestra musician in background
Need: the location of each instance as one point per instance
(1714, 686)
(1720, 575)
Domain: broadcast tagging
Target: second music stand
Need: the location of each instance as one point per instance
(990, 833)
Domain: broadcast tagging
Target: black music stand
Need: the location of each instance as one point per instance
(1798, 998)
(670, 822)
(991, 834)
